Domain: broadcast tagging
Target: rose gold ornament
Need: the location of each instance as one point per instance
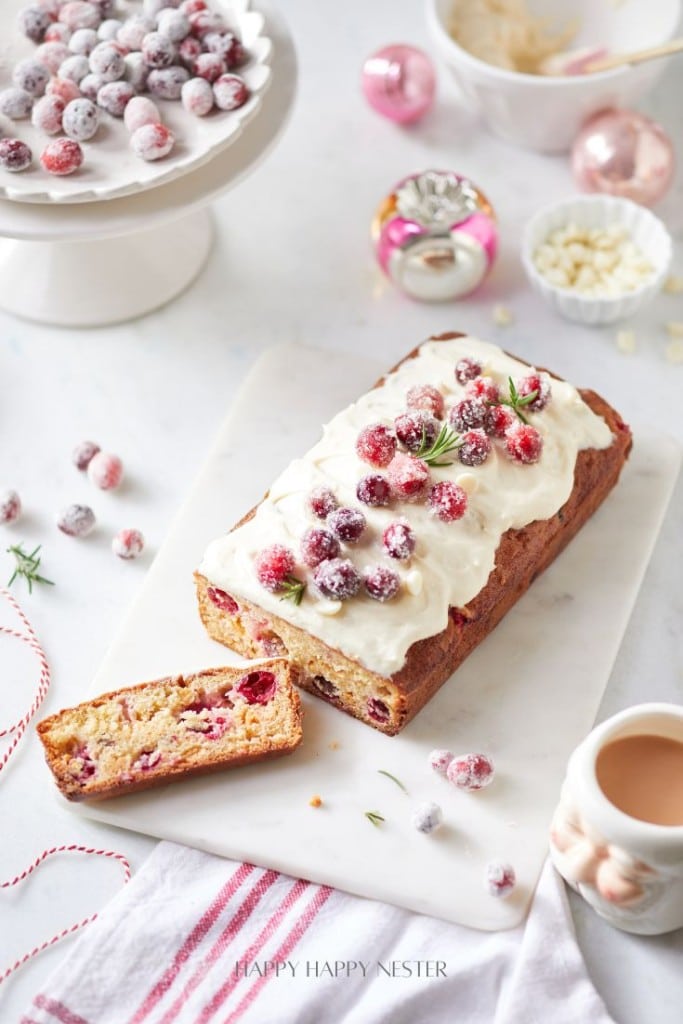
(624, 154)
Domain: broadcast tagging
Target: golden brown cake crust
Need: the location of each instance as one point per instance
(521, 556)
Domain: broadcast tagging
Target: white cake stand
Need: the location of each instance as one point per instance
(96, 263)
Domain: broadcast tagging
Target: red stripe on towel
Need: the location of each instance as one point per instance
(58, 1010)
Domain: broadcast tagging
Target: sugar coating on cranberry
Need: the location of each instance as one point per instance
(376, 445)
(257, 687)
(439, 760)
(475, 448)
(498, 419)
(374, 489)
(427, 398)
(74, 69)
(134, 30)
(471, 772)
(58, 33)
(500, 878)
(230, 92)
(152, 141)
(197, 96)
(321, 501)
(79, 14)
(203, 22)
(378, 710)
(90, 86)
(381, 583)
(427, 818)
(64, 88)
(62, 156)
(107, 60)
(108, 30)
(337, 578)
(317, 545)
(467, 369)
(347, 524)
(273, 565)
(105, 471)
(15, 103)
(398, 540)
(81, 119)
(140, 111)
(227, 46)
(523, 443)
(114, 97)
(535, 382)
(189, 50)
(447, 501)
(222, 600)
(484, 388)
(415, 429)
(83, 42)
(136, 71)
(469, 414)
(158, 50)
(15, 155)
(167, 83)
(52, 56)
(31, 76)
(33, 22)
(408, 476)
(189, 7)
(209, 66)
(128, 544)
(174, 24)
(10, 506)
(76, 520)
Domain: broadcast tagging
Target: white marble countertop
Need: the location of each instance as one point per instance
(293, 263)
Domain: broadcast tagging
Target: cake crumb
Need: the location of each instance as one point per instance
(334, 745)
(673, 285)
(502, 316)
(674, 351)
(315, 801)
(626, 341)
(674, 328)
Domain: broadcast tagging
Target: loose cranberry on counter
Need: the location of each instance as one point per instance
(439, 760)
(84, 453)
(34, 22)
(523, 443)
(500, 879)
(467, 369)
(10, 507)
(128, 544)
(76, 520)
(105, 471)
(398, 540)
(447, 501)
(337, 578)
(427, 398)
(15, 155)
(31, 76)
(376, 445)
(471, 771)
(64, 88)
(158, 50)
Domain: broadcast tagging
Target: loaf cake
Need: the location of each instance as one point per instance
(155, 733)
(383, 557)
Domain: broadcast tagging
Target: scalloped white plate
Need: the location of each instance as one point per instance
(110, 168)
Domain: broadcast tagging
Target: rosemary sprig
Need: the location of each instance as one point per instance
(447, 441)
(375, 817)
(292, 589)
(27, 566)
(516, 401)
(381, 771)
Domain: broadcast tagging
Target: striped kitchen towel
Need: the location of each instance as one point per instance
(195, 939)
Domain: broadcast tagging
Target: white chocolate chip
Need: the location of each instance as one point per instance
(468, 482)
(594, 262)
(626, 341)
(414, 582)
(502, 316)
(326, 607)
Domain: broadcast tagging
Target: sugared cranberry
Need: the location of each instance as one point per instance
(47, 114)
(189, 50)
(475, 448)
(62, 156)
(81, 119)
(141, 110)
(321, 501)
(189, 7)
(174, 24)
(33, 22)
(15, 155)
(203, 22)
(31, 76)
(209, 66)
(471, 771)
(79, 14)
(230, 92)
(439, 760)
(415, 429)
(74, 69)
(52, 56)
(376, 445)
(84, 453)
(427, 818)
(398, 540)
(447, 501)
(498, 419)
(317, 545)
(483, 388)
(105, 471)
(158, 50)
(134, 30)
(83, 42)
(114, 97)
(347, 524)
(197, 97)
(373, 489)
(257, 687)
(467, 369)
(227, 46)
(500, 879)
(152, 141)
(273, 565)
(381, 583)
(541, 385)
(10, 507)
(128, 544)
(57, 33)
(76, 520)
(469, 414)
(523, 443)
(15, 103)
(222, 600)
(337, 578)
(64, 88)
(427, 398)
(408, 476)
(378, 710)
(167, 83)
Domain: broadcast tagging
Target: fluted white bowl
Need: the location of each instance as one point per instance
(598, 211)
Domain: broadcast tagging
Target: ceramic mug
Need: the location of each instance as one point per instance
(629, 870)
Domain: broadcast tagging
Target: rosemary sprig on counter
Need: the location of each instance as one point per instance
(27, 565)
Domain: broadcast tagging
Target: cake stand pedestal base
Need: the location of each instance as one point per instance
(103, 281)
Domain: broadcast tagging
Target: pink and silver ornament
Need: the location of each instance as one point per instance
(435, 235)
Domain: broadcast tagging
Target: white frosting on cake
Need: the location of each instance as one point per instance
(452, 561)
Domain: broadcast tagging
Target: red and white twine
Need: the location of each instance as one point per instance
(17, 731)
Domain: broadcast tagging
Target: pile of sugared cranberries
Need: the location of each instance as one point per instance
(175, 52)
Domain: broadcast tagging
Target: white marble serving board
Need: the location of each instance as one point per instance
(526, 696)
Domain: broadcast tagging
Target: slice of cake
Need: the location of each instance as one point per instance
(154, 733)
(379, 560)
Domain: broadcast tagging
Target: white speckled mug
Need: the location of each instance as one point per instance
(629, 870)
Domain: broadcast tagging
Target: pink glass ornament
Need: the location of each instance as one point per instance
(399, 83)
(626, 154)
